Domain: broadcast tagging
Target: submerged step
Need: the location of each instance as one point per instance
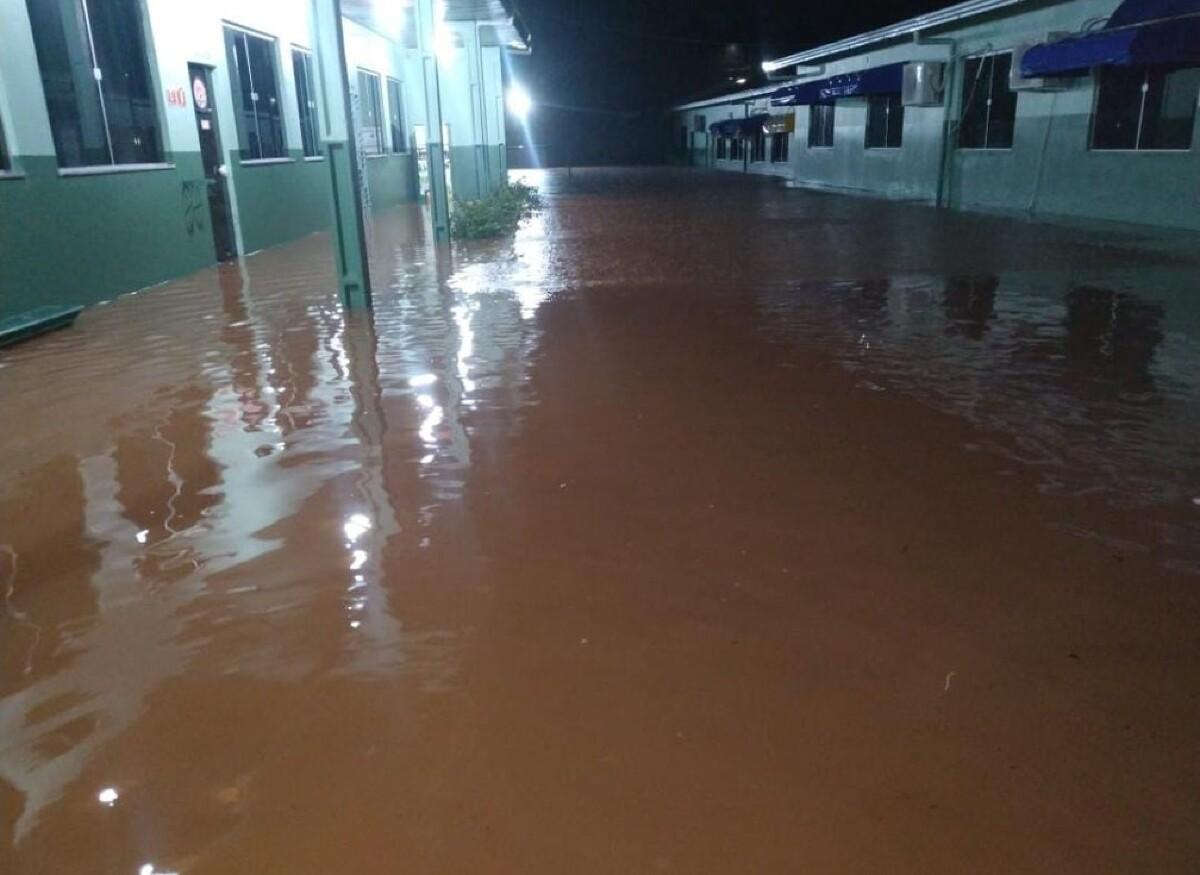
(37, 321)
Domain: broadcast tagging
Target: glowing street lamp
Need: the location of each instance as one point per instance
(520, 104)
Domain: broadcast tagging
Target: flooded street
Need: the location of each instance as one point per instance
(705, 527)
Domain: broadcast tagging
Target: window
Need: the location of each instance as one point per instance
(99, 94)
(820, 126)
(255, 94)
(735, 149)
(1150, 107)
(396, 117)
(722, 147)
(779, 147)
(370, 116)
(989, 106)
(758, 146)
(302, 69)
(885, 121)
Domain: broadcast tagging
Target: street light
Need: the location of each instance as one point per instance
(519, 102)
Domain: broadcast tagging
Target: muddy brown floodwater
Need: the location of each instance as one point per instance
(704, 527)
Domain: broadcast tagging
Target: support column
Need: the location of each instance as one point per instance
(341, 155)
(426, 40)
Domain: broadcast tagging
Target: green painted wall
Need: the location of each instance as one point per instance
(279, 202)
(392, 179)
(84, 239)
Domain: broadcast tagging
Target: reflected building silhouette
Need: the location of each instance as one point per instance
(1112, 337)
(969, 303)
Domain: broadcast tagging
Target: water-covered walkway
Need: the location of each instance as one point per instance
(705, 527)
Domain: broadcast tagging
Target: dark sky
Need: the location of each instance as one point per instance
(603, 71)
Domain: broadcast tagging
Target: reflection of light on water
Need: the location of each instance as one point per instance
(529, 281)
(356, 526)
(148, 869)
(422, 380)
(466, 347)
(358, 559)
(108, 796)
(429, 424)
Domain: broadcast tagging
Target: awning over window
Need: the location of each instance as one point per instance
(739, 127)
(887, 79)
(784, 123)
(1138, 32)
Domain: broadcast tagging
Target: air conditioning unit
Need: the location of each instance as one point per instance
(1017, 82)
(924, 83)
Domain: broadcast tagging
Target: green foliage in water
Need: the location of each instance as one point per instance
(496, 215)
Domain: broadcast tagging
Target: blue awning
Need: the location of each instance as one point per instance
(1138, 32)
(888, 79)
(739, 127)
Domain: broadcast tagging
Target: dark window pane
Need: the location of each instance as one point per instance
(758, 146)
(1118, 108)
(885, 121)
(989, 106)
(255, 94)
(1170, 108)
(396, 117)
(64, 56)
(1002, 116)
(266, 96)
(972, 131)
(779, 147)
(243, 102)
(820, 125)
(302, 72)
(125, 82)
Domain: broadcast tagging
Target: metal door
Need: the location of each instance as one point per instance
(211, 156)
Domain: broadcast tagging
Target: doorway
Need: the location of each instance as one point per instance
(211, 157)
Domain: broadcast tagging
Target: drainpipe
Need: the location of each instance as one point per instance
(950, 120)
(341, 154)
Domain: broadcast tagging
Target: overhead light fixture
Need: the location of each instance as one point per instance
(741, 80)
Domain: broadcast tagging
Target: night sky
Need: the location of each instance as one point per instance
(603, 71)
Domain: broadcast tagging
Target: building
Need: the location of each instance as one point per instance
(141, 140)
(1082, 108)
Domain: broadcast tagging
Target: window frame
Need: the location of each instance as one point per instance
(309, 91)
(987, 123)
(722, 148)
(158, 146)
(377, 94)
(1137, 148)
(758, 147)
(813, 110)
(402, 147)
(235, 82)
(887, 101)
(785, 139)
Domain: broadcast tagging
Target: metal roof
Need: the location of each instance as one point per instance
(500, 23)
(928, 21)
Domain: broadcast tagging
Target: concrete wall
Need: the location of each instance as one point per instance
(1049, 169)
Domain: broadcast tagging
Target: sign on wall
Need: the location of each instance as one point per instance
(176, 97)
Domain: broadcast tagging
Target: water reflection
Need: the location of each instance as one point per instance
(1112, 337)
(261, 501)
(1088, 380)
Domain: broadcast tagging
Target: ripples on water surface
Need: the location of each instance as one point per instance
(199, 438)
